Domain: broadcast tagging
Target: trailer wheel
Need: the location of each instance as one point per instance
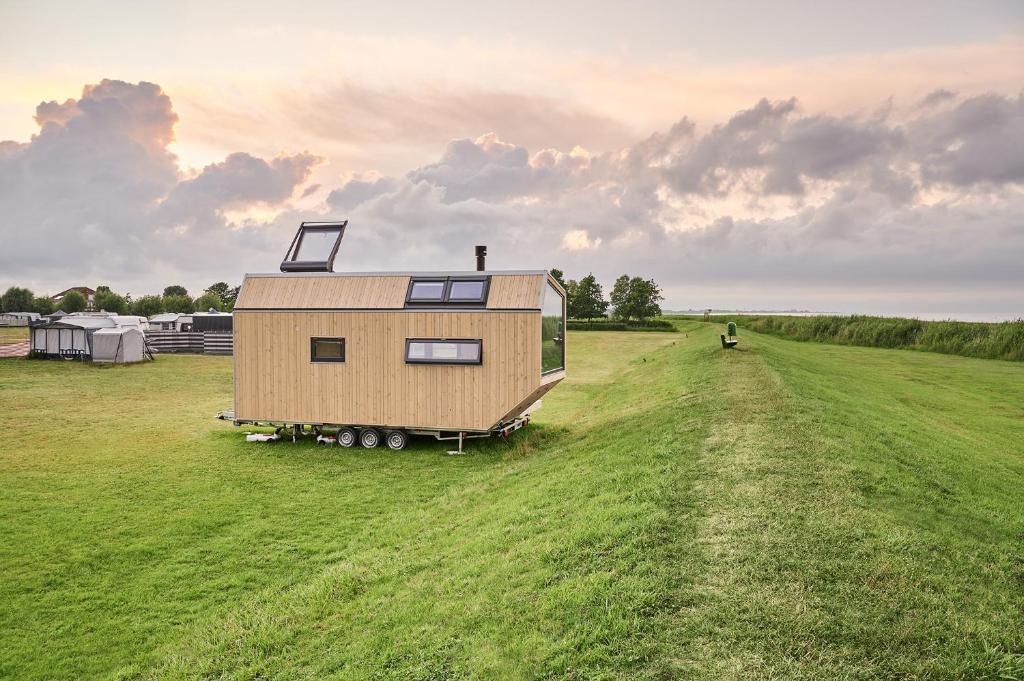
(346, 437)
(369, 438)
(397, 439)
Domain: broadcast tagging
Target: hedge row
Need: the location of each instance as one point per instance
(1004, 340)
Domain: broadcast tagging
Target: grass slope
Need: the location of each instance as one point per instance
(785, 510)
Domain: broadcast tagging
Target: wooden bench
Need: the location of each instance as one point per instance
(728, 344)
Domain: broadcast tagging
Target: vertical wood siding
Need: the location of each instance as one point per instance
(275, 380)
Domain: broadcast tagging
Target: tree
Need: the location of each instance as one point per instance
(587, 299)
(107, 300)
(571, 291)
(73, 301)
(148, 306)
(17, 300)
(559, 276)
(619, 297)
(175, 290)
(208, 301)
(42, 305)
(176, 303)
(636, 298)
(225, 293)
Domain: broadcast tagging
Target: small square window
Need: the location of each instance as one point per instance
(327, 349)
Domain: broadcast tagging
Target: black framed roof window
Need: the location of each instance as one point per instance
(314, 247)
(470, 291)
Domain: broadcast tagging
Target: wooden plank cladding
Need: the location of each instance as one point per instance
(328, 292)
(387, 291)
(515, 291)
(275, 380)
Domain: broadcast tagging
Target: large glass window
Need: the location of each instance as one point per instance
(443, 351)
(552, 330)
(327, 349)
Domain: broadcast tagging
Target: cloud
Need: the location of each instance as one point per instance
(771, 200)
(96, 194)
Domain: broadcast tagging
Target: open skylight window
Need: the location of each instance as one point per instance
(314, 247)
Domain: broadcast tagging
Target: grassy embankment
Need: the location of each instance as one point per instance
(1004, 340)
(677, 510)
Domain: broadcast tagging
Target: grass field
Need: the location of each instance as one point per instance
(786, 510)
(13, 334)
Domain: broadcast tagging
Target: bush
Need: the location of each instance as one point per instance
(611, 325)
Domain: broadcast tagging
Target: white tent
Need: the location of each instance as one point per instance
(120, 345)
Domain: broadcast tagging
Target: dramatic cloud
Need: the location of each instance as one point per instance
(773, 206)
(97, 196)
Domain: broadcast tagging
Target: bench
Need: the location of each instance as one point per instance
(728, 344)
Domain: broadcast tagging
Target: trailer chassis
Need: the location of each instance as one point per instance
(395, 438)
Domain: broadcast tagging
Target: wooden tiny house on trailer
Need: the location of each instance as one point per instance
(383, 355)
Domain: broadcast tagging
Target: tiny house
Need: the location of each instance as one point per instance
(382, 355)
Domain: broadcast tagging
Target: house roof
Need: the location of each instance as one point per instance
(509, 290)
(84, 290)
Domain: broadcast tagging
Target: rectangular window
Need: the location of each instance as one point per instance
(552, 331)
(443, 351)
(448, 291)
(426, 291)
(326, 349)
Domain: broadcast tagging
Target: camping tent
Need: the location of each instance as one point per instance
(56, 339)
(121, 345)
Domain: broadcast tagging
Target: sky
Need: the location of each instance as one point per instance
(847, 157)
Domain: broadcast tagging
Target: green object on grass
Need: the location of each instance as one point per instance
(731, 329)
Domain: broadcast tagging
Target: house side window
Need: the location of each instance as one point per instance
(443, 351)
(326, 349)
(470, 291)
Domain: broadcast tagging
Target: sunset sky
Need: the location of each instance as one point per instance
(863, 157)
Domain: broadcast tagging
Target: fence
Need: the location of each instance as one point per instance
(191, 341)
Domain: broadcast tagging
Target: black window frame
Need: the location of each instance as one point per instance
(446, 296)
(451, 362)
(290, 264)
(409, 300)
(326, 360)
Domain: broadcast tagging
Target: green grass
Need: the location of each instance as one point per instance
(1004, 340)
(781, 511)
(13, 334)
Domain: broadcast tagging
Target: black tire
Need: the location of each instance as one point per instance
(347, 437)
(369, 438)
(396, 439)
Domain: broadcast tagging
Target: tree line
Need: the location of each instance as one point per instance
(632, 298)
(175, 298)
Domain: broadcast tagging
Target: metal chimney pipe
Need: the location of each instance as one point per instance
(481, 256)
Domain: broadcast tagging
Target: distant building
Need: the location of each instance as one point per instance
(171, 321)
(90, 295)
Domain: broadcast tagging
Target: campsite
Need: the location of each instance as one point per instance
(674, 510)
